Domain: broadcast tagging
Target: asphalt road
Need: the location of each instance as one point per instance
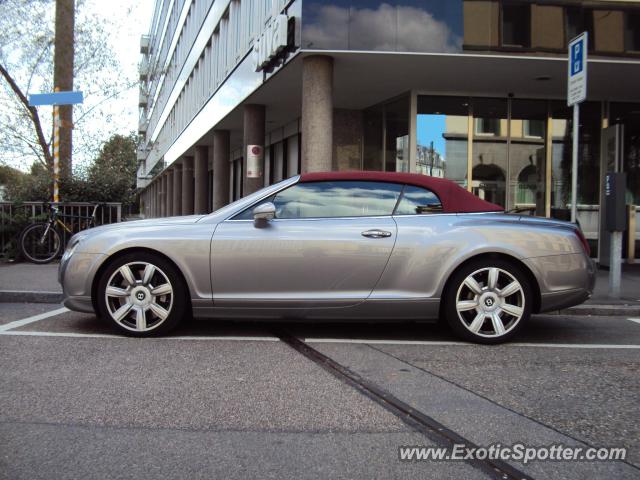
(230, 400)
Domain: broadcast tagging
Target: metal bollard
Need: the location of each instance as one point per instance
(631, 233)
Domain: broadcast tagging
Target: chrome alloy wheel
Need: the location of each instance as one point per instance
(490, 302)
(139, 296)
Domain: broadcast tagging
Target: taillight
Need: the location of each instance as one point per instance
(583, 241)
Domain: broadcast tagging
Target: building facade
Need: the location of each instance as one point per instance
(239, 94)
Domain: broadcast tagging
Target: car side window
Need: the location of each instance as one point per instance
(418, 200)
(332, 199)
(337, 199)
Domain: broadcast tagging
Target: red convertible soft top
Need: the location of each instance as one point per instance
(453, 197)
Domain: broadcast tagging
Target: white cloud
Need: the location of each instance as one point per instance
(387, 28)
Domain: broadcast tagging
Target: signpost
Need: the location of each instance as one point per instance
(576, 93)
(57, 98)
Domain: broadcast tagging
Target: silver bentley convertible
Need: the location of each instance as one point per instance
(340, 246)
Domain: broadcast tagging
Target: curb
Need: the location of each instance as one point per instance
(18, 296)
(602, 310)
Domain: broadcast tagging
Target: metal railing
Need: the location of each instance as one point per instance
(15, 216)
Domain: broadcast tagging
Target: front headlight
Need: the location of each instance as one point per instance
(71, 247)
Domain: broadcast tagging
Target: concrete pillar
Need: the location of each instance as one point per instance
(317, 113)
(177, 189)
(155, 199)
(201, 175)
(253, 124)
(169, 194)
(221, 168)
(187, 186)
(163, 194)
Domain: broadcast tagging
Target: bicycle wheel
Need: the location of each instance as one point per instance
(40, 243)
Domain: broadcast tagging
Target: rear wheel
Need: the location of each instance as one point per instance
(488, 301)
(142, 295)
(40, 243)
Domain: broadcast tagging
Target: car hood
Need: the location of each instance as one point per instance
(149, 222)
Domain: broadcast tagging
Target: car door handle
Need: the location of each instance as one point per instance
(375, 233)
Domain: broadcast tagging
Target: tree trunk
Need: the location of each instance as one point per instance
(63, 76)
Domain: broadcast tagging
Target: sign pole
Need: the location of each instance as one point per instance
(574, 162)
(576, 93)
(56, 154)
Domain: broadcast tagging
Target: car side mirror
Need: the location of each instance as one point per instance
(263, 213)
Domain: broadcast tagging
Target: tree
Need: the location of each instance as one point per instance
(64, 46)
(111, 177)
(26, 66)
(114, 170)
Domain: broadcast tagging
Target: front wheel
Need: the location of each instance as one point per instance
(488, 301)
(142, 295)
(40, 243)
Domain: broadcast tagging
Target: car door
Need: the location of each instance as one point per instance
(326, 247)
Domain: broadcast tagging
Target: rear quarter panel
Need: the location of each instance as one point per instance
(430, 247)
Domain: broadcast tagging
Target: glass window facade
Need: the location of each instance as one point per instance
(489, 154)
(513, 158)
(395, 25)
(628, 115)
(386, 136)
(516, 24)
(455, 26)
(527, 155)
(442, 126)
(632, 31)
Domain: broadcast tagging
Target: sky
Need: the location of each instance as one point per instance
(430, 129)
(132, 18)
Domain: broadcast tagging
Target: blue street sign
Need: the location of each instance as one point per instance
(56, 98)
(577, 69)
(577, 58)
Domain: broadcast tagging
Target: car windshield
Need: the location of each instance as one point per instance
(249, 199)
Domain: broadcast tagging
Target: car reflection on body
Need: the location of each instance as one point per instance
(340, 246)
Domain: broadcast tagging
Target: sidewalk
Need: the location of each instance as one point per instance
(25, 282)
(29, 283)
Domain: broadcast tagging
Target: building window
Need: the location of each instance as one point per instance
(533, 128)
(442, 137)
(632, 32)
(487, 126)
(578, 20)
(516, 25)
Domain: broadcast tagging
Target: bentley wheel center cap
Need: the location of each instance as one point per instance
(141, 296)
(489, 301)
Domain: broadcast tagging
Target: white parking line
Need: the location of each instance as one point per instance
(453, 343)
(637, 320)
(363, 341)
(35, 318)
(107, 335)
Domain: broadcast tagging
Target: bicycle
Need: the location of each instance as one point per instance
(42, 242)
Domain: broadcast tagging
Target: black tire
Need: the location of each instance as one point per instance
(40, 243)
(489, 302)
(176, 303)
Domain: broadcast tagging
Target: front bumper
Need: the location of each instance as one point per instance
(79, 304)
(76, 273)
